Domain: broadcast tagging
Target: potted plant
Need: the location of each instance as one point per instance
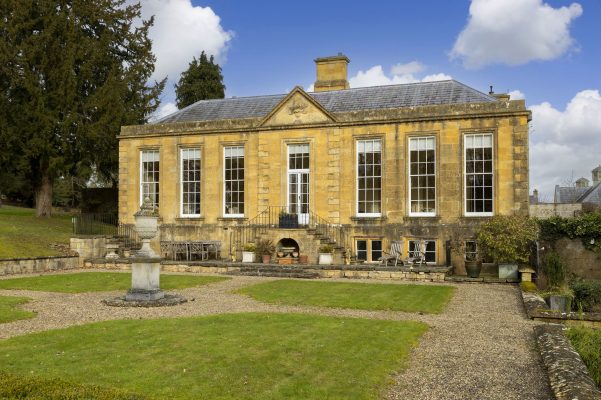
(507, 239)
(559, 296)
(248, 254)
(326, 256)
(265, 248)
(287, 220)
(468, 249)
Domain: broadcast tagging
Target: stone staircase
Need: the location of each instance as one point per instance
(278, 271)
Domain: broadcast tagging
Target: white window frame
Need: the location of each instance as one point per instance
(465, 175)
(183, 154)
(360, 141)
(417, 139)
(226, 149)
(156, 157)
(369, 248)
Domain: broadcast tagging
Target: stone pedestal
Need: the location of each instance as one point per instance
(145, 280)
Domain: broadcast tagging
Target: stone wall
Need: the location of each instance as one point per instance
(10, 266)
(555, 210)
(89, 246)
(581, 262)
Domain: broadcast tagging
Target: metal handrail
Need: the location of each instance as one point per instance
(280, 217)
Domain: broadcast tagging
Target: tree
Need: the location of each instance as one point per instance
(72, 72)
(201, 81)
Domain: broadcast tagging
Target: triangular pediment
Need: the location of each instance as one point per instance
(297, 108)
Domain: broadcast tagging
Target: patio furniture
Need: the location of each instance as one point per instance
(396, 251)
(418, 255)
(191, 249)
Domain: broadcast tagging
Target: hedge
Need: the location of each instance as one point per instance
(14, 386)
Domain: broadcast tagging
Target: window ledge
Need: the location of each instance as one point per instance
(415, 218)
(368, 219)
(233, 219)
(184, 219)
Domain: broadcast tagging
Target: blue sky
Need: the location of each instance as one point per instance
(546, 51)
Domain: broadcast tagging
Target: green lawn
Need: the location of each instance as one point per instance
(227, 356)
(587, 343)
(24, 235)
(362, 296)
(9, 311)
(99, 282)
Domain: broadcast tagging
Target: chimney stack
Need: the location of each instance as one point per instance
(597, 175)
(331, 73)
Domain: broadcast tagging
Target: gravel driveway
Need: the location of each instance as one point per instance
(481, 347)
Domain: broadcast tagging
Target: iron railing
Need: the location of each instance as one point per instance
(279, 217)
(108, 225)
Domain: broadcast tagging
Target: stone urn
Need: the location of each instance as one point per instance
(147, 227)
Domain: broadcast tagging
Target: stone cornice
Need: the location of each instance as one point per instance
(501, 109)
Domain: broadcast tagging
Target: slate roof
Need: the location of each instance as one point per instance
(358, 99)
(569, 194)
(592, 195)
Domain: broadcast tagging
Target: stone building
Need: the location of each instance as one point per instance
(359, 168)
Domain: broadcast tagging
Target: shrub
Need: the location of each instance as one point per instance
(14, 386)
(265, 247)
(529, 287)
(326, 248)
(587, 343)
(250, 247)
(507, 238)
(587, 295)
(555, 269)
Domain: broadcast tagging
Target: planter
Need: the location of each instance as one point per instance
(248, 256)
(289, 221)
(303, 259)
(508, 271)
(473, 268)
(560, 303)
(266, 258)
(326, 258)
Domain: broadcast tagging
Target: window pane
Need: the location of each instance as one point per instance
(369, 170)
(234, 180)
(478, 173)
(422, 175)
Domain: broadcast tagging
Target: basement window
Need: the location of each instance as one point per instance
(368, 250)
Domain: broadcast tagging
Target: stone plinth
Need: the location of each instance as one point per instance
(145, 280)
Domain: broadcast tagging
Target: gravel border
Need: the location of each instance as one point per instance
(480, 347)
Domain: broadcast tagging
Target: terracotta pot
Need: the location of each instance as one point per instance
(303, 259)
(266, 258)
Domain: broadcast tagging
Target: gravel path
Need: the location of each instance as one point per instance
(481, 347)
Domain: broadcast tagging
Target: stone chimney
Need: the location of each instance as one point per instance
(597, 175)
(331, 73)
(534, 199)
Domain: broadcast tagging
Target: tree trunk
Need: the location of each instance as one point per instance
(43, 196)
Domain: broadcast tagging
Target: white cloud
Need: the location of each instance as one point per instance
(516, 95)
(400, 73)
(412, 67)
(163, 110)
(565, 144)
(180, 32)
(514, 32)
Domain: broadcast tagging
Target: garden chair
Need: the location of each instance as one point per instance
(417, 256)
(396, 251)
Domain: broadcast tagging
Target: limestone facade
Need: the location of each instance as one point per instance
(332, 138)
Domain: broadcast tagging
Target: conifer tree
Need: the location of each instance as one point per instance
(201, 81)
(72, 72)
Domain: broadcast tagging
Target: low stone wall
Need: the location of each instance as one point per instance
(433, 274)
(89, 246)
(568, 376)
(538, 310)
(548, 210)
(11, 266)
